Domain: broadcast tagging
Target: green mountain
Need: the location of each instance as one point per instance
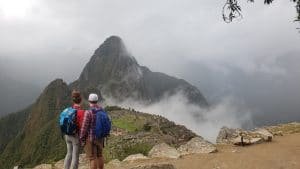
(9, 132)
(40, 141)
(32, 136)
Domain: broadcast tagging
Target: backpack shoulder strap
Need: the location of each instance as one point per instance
(95, 110)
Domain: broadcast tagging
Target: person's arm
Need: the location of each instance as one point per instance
(85, 127)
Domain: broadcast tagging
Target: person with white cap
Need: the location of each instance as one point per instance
(93, 146)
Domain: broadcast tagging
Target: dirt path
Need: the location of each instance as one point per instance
(282, 153)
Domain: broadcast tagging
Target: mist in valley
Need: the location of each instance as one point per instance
(205, 122)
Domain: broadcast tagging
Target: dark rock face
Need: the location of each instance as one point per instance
(116, 73)
(111, 61)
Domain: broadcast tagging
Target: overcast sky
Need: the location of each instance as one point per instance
(255, 60)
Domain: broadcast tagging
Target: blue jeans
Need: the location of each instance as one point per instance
(72, 157)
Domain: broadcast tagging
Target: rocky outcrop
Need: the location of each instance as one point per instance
(267, 136)
(136, 157)
(163, 151)
(226, 134)
(197, 145)
(114, 163)
(243, 137)
(155, 166)
(141, 131)
(241, 141)
(43, 166)
(283, 129)
(259, 135)
(83, 163)
(59, 164)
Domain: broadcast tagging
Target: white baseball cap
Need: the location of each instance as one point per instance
(93, 97)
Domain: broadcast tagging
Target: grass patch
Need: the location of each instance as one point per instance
(129, 123)
(120, 123)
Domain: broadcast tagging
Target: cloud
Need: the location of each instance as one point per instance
(205, 123)
(271, 95)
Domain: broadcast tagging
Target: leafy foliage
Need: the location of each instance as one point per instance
(232, 10)
(298, 10)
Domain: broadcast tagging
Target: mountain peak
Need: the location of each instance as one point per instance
(57, 83)
(56, 87)
(112, 46)
(110, 61)
(116, 74)
(113, 39)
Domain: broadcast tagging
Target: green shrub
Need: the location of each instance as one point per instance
(112, 108)
(147, 127)
(142, 148)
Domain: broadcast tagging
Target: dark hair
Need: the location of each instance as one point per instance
(76, 100)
